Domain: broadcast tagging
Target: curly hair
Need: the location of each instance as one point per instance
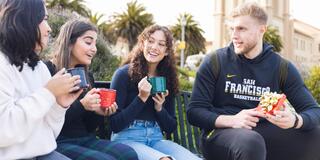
(138, 67)
(19, 31)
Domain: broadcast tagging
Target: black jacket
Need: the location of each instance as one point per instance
(239, 85)
(78, 121)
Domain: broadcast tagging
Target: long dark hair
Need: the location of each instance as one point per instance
(69, 33)
(138, 67)
(19, 30)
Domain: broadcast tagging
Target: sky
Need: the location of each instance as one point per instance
(166, 12)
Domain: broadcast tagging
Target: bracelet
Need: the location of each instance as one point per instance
(296, 121)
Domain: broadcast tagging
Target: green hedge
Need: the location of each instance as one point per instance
(313, 82)
(184, 78)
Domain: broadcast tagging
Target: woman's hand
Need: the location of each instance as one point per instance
(107, 111)
(61, 85)
(159, 100)
(144, 88)
(66, 100)
(91, 101)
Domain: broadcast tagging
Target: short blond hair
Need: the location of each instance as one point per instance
(251, 9)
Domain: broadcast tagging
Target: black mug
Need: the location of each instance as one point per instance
(79, 71)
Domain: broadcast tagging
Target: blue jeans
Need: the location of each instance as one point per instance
(146, 139)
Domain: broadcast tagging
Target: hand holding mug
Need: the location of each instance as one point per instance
(159, 99)
(79, 71)
(61, 84)
(91, 101)
(144, 88)
(107, 111)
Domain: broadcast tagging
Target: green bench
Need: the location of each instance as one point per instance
(186, 135)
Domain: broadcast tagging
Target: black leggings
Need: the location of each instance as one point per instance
(266, 141)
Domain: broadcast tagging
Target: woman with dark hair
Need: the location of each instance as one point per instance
(32, 104)
(76, 46)
(141, 118)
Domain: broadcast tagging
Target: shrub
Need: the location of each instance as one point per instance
(104, 63)
(57, 18)
(313, 82)
(185, 85)
(184, 78)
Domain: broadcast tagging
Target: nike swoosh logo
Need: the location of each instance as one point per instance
(231, 75)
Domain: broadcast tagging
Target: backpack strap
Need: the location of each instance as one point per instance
(215, 64)
(283, 73)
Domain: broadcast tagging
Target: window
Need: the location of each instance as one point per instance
(296, 43)
(310, 47)
(303, 45)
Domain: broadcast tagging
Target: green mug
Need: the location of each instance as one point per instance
(158, 84)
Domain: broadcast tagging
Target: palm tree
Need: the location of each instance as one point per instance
(96, 19)
(108, 33)
(272, 37)
(59, 3)
(79, 7)
(195, 42)
(74, 5)
(130, 23)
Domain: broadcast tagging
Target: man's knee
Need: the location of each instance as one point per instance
(249, 145)
(241, 144)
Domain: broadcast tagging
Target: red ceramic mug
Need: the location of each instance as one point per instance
(107, 96)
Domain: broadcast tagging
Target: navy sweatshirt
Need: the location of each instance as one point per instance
(131, 107)
(239, 85)
(78, 121)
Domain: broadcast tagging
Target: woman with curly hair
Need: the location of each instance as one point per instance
(141, 118)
